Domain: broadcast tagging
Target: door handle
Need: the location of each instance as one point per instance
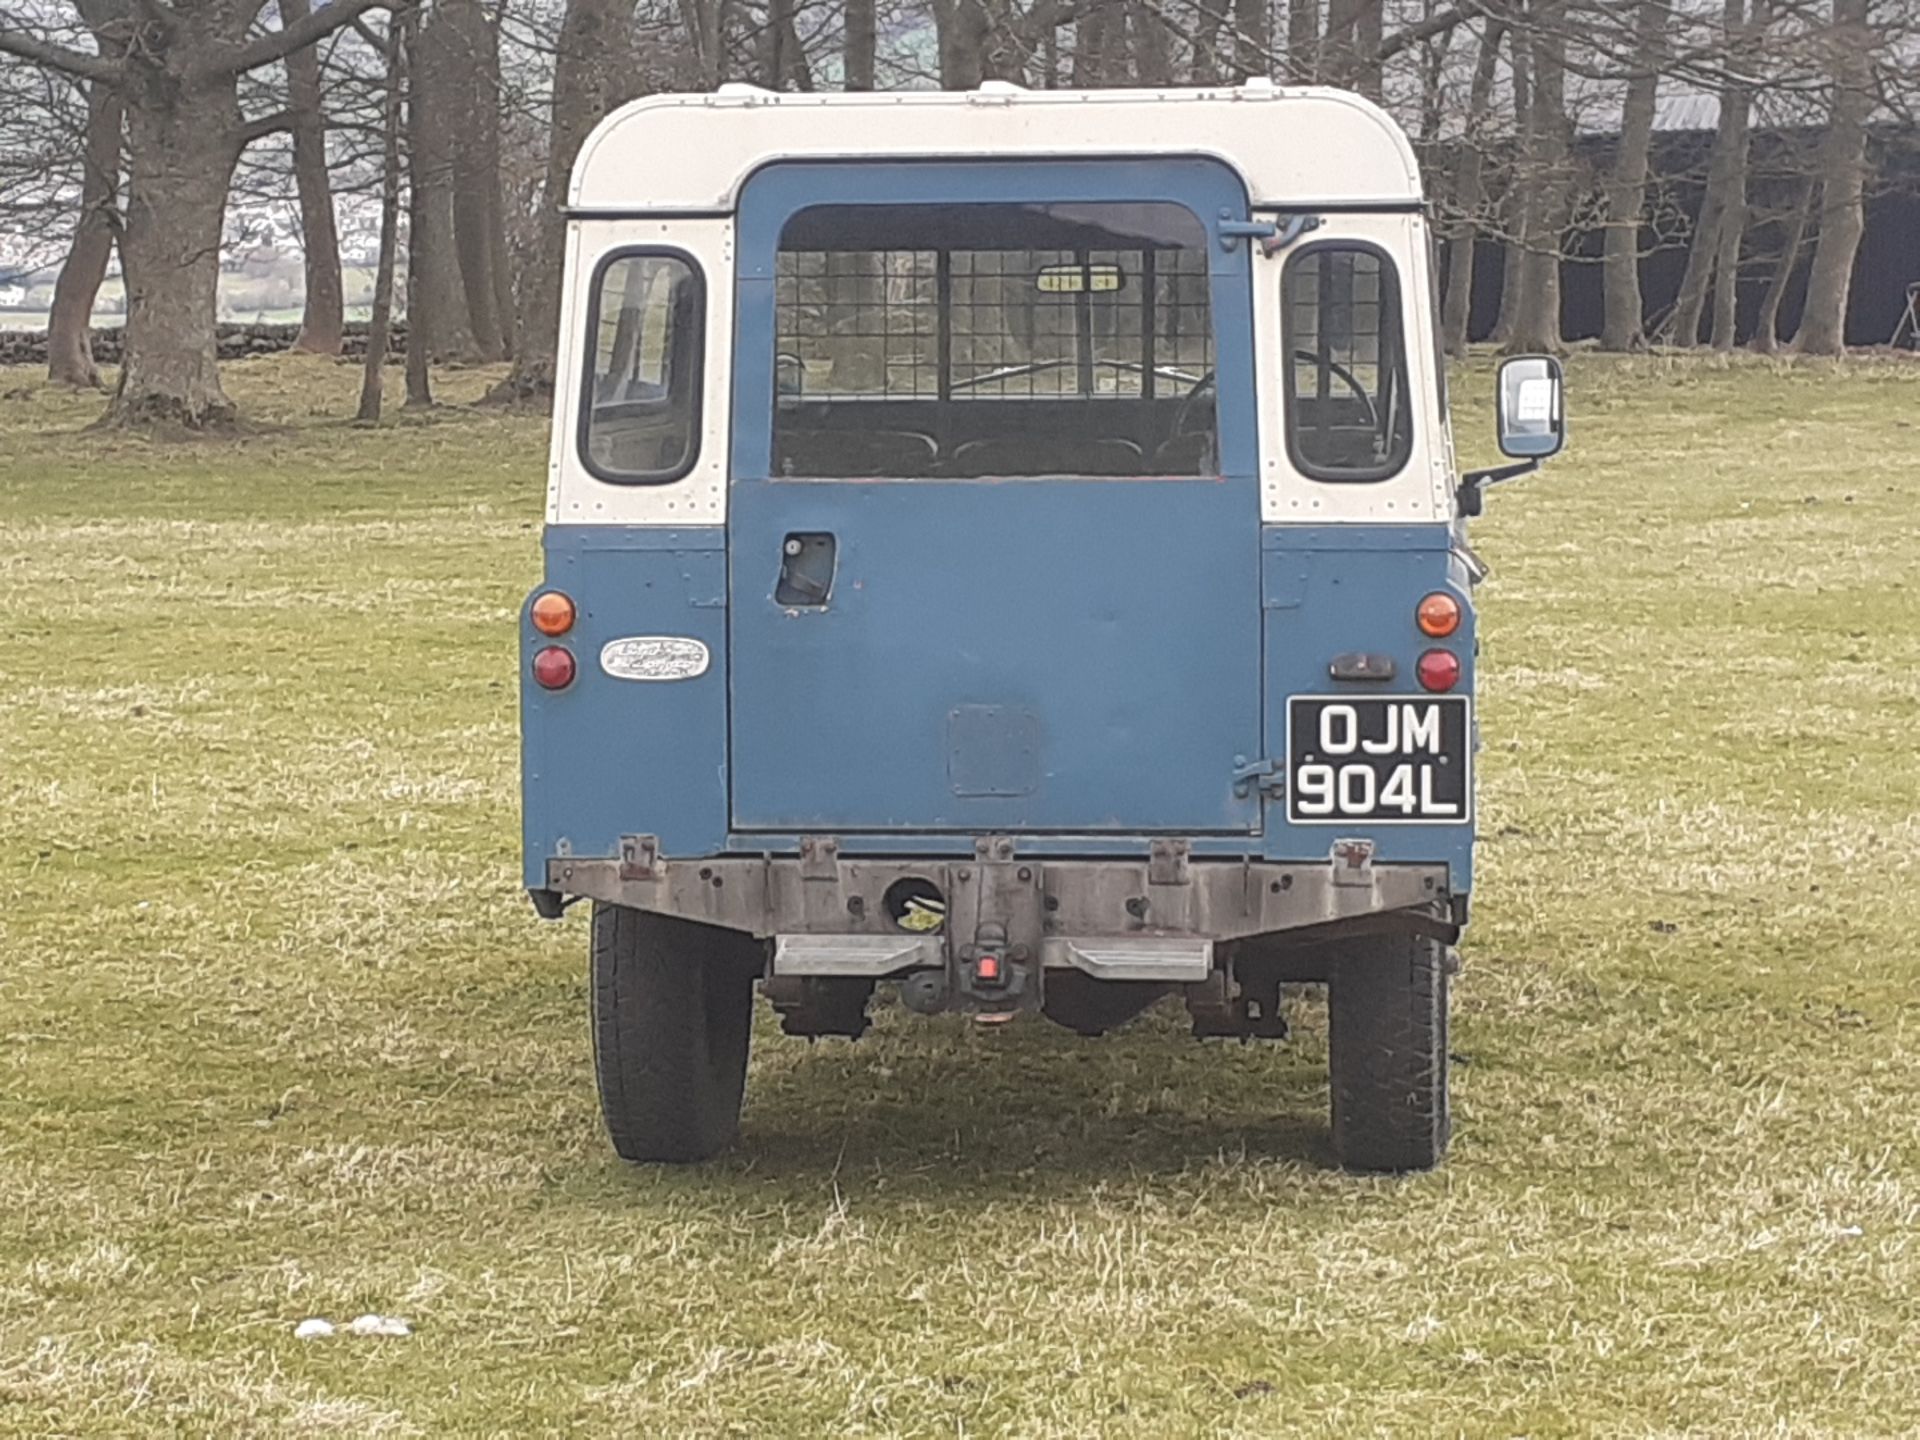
(807, 560)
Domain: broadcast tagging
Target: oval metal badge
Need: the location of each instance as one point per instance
(655, 657)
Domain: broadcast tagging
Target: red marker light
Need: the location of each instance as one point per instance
(1438, 670)
(553, 668)
(987, 968)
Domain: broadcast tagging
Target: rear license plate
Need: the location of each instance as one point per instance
(1386, 760)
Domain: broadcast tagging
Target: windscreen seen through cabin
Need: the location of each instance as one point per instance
(971, 341)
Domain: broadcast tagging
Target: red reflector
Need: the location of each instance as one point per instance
(553, 667)
(988, 969)
(1438, 670)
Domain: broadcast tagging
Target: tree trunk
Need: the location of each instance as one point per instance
(1205, 68)
(862, 42)
(471, 61)
(1336, 58)
(593, 71)
(963, 28)
(1843, 171)
(1253, 38)
(1365, 73)
(1152, 45)
(499, 256)
(70, 321)
(1726, 259)
(1726, 179)
(1537, 324)
(372, 375)
(182, 145)
(437, 288)
(1469, 195)
(1089, 46)
(1521, 195)
(1766, 326)
(323, 318)
(422, 293)
(1623, 323)
(1303, 41)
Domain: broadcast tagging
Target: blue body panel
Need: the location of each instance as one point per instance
(609, 757)
(1023, 655)
(606, 757)
(1329, 589)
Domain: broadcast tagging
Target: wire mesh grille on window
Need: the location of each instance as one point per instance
(869, 323)
(1346, 373)
(1336, 300)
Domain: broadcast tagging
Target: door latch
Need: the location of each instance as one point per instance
(1269, 777)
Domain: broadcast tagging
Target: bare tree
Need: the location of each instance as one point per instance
(1536, 325)
(1843, 173)
(1722, 206)
(1624, 306)
(178, 78)
(862, 40)
(372, 378)
(1766, 327)
(1469, 194)
(323, 317)
(594, 65)
(70, 321)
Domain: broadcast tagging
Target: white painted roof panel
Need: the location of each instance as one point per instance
(1293, 146)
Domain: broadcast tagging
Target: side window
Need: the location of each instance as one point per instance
(640, 418)
(1349, 417)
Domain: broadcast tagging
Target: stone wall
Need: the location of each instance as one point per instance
(237, 342)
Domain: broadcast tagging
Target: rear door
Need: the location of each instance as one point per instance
(994, 520)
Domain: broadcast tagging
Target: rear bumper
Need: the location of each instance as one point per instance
(1076, 912)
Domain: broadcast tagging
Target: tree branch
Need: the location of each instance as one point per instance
(1425, 30)
(267, 125)
(59, 57)
(278, 44)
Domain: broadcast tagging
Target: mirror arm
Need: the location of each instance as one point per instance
(1471, 495)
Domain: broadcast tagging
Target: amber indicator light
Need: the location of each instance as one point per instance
(552, 613)
(1438, 615)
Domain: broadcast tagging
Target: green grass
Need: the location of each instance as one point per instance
(279, 1037)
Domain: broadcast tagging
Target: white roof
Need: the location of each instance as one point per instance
(1305, 146)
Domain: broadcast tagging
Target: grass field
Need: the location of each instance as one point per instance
(279, 1037)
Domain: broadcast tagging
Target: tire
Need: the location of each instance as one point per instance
(1387, 1053)
(672, 1024)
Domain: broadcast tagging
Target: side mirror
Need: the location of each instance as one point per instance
(1531, 418)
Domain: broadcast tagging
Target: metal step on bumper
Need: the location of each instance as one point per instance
(1172, 959)
(868, 956)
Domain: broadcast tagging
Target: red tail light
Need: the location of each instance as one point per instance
(1438, 670)
(553, 668)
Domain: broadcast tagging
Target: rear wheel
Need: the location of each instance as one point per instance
(672, 1020)
(1387, 1053)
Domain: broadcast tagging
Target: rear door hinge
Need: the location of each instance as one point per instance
(1269, 777)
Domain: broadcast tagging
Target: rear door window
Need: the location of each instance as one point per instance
(1349, 414)
(971, 341)
(640, 421)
